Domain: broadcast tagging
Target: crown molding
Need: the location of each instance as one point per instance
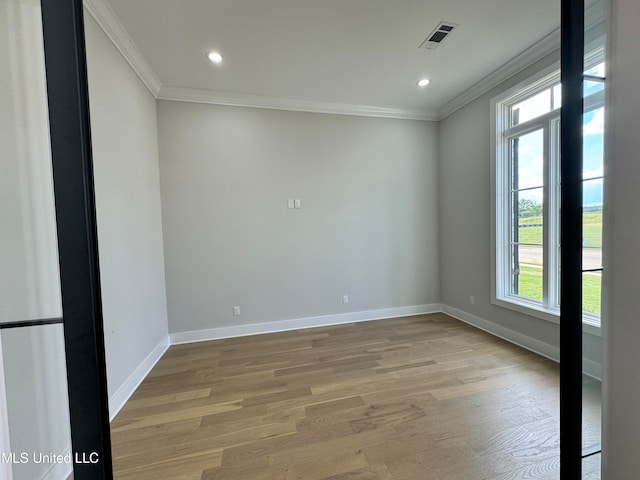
(110, 24)
(291, 104)
(595, 16)
(108, 21)
(536, 52)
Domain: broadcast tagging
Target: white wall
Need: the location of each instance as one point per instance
(621, 442)
(37, 401)
(29, 277)
(465, 237)
(367, 227)
(125, 154)
(32, 358)
(125, 151)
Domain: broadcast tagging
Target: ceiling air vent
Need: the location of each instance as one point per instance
(439, 34)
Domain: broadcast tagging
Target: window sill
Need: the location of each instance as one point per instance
(590, 324)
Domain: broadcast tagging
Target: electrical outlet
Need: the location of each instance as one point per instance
(236, 311)
(345, 299)
(472, 300)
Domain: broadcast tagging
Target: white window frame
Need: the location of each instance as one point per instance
(501, 133)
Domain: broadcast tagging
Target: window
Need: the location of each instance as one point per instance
(527, 188)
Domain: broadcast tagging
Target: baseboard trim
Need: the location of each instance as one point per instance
(589, 367)
(120, 397)
(299, 323)
(541, 348)
(592, 369)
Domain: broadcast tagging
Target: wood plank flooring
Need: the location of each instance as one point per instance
(412, 398)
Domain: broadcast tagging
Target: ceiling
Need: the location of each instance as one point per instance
(354, 52)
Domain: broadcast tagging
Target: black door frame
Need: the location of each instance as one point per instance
(572, 68)
(67, 88)
(68, 99)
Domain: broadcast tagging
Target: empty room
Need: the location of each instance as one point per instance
(322, 240)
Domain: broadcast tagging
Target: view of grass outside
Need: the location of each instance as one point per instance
(530, 277)
(530, 282)
(530, 230)
(591, 291)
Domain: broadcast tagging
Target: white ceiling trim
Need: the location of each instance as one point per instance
(536, 52)
(292, 104)
(110, 24)
(593, 17)
(108, 21)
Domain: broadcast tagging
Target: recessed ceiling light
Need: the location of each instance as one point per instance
(423, 82)
(214, 57)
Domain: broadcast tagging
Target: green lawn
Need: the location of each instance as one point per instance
(530, 286)
(530, 279)
(592, 229)
(591, 232)
(530, 282)
(591, 292)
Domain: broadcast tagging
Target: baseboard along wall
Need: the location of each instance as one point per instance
(299, 323)
(120, 397)
(589, 367)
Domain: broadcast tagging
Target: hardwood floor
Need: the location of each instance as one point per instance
(413, 398)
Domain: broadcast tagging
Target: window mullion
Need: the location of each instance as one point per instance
(547, 281)
(553, 237)
(503, 254)
(514, 233)
(531, 125)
